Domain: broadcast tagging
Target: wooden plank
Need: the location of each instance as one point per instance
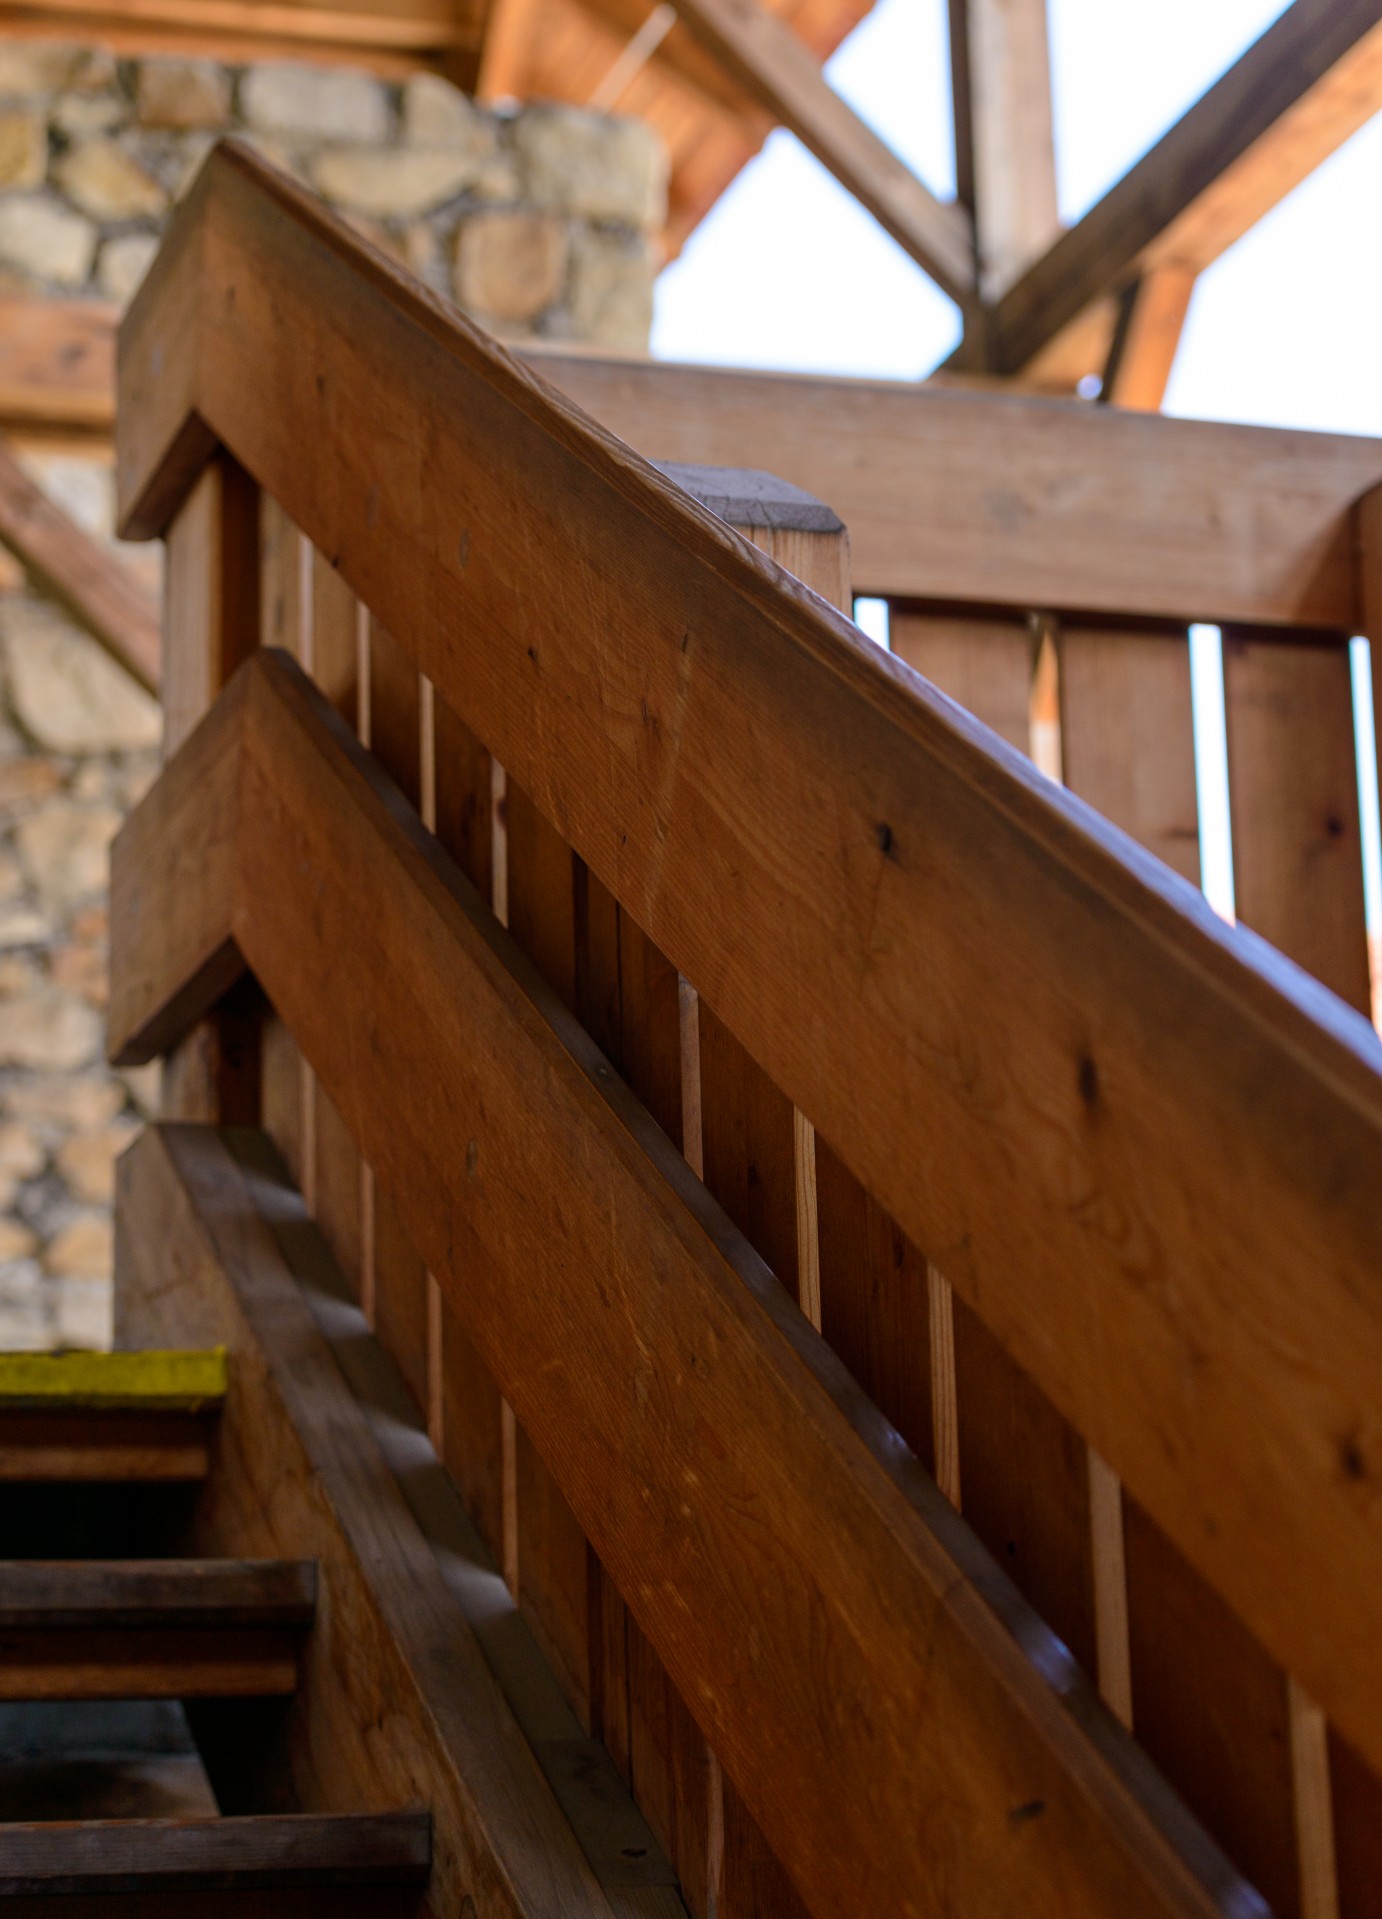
(991, 957)
(1293, 795)
(95, 586)
(984, 664)
(411, 26)
(1312, 79)
(1210, 1707)
(1015, 500)
(774, 67)
(404, 1669)
(57, 364)
(1000, 59)
(556, 1150)
(152, 1630)
(85, 1445)
(1128, 738)
(210, 594)
(265, 1851)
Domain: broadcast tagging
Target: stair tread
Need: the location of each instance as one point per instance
(147, 1381)
(263, 1850)
(75, 1594)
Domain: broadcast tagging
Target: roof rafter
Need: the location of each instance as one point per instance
(1295, 96)
(766, 58)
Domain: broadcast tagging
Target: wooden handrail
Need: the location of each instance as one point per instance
(843, 1615)
(93, 584)
(1122, 1130)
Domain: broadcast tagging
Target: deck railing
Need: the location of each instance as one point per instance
(639, 937)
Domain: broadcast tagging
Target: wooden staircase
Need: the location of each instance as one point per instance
(82, 1439)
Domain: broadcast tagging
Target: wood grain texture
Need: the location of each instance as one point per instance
(57, 364)
(1293, 795)
(919, 1640)
(1018, 501)
(1128, 737)
(151, 1856)
(85, 1444)
(959, 1016)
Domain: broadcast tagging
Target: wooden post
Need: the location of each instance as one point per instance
(1005, 169)
(211, 624)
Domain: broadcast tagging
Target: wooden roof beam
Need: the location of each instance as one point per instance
(1295, 96)
(763, 55)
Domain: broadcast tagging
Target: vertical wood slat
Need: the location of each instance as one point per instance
(1200, 1694)
(336, 1185)
(391, 700)
(761, 1160)
(211, 623)
(457, 804)
(1127, 745)
(559, 1582)
(1293, 796)
(1298, 880)
(1001, 1452)
(281, 591)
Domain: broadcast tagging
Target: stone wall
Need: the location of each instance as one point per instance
(541, 221)
(78, 744)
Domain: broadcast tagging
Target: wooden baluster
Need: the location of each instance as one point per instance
(759, 1156)
(559, 1580)
(283, 579)
(1204, 1699)
(1001, 1450)
(404, 1315)
(211, 624)
(457, 803)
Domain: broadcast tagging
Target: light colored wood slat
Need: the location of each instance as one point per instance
(999, 973)
(1293, 793)
(1128, 739)
(892, 1615)
(984, 664)
(96, 586)
(1295, 96)
(398, 1688)
(1019, 501)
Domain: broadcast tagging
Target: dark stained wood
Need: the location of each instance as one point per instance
(322, 1445)
(152, 1856)
(75, 1594)
(85, 1443)
(1210, 1707)
(919, 1645)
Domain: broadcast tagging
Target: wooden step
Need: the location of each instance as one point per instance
(263, 1866)
(152, 1629)
(86, 1417)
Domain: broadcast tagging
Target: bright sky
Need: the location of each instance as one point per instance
(788, 271)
